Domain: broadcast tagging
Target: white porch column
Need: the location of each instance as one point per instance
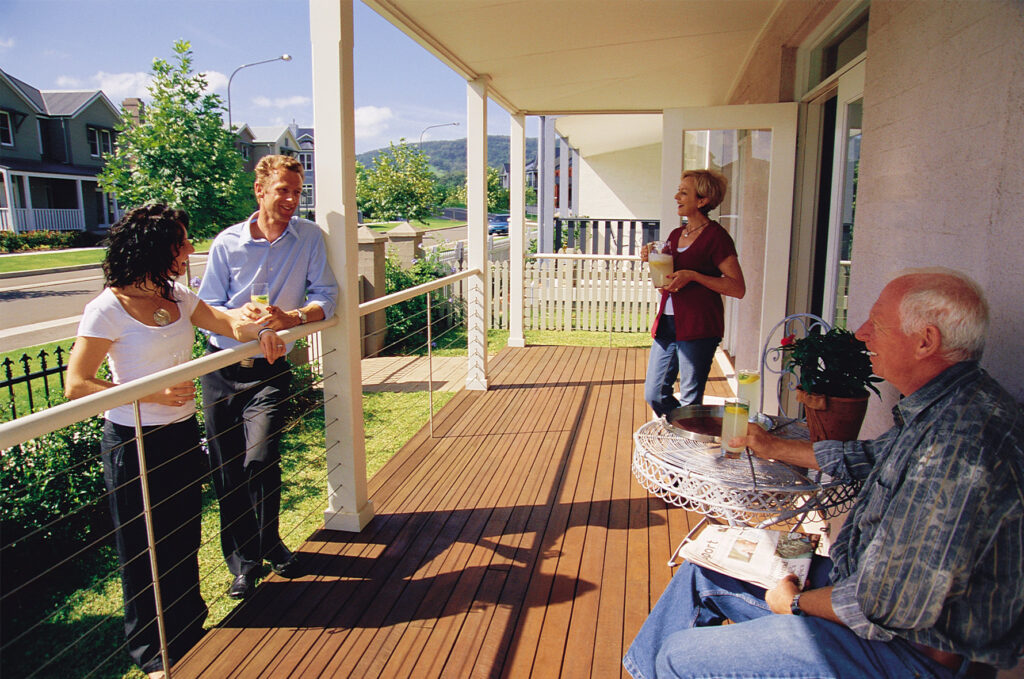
(81, 204)
(476, 227)
(517, 227)
(334, 119)
(546, 186)
(574, 204)
(30, 215)
(9, 200)
(563, 179)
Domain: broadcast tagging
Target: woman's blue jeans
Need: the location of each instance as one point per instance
(689, 359)
(684, 637)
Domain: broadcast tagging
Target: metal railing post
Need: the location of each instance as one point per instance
(430, 368)
(147, 511)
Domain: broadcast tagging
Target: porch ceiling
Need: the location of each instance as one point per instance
(589, 56)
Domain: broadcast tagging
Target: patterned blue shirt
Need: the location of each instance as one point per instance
(294, 266)
(933, 549)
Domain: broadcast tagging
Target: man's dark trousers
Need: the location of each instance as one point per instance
(244, 410)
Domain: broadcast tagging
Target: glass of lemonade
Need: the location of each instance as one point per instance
(661, 264)
(748, 387)
(734, 423)
(260, 295)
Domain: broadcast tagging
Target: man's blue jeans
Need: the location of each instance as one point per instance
(684, 637)
(690, 360)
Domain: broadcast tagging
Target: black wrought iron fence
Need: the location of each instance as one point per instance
(24, 385)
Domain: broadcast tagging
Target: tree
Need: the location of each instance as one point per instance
(179, 152)
(398, 185)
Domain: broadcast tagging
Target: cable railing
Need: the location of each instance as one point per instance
(96, 646)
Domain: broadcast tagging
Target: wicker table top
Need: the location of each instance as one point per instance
(694, 475)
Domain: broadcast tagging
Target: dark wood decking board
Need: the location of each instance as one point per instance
(514, 543)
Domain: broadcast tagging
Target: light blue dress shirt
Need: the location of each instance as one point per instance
(294, 267)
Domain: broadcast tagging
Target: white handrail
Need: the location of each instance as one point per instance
(415, 291)
(555, 255)
(45, 421)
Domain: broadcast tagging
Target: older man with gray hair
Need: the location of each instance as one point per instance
(926, 577)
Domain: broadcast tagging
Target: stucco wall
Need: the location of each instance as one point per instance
(942, 164)
(621, 184)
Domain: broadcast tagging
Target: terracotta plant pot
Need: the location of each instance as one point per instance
(833, 418)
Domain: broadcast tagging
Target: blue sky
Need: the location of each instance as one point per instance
(110, 44)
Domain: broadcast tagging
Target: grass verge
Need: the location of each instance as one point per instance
(54, 259)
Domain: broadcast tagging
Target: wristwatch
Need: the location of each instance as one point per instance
(794, 605)
(302, 316)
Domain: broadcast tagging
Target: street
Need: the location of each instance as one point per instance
(36, 308)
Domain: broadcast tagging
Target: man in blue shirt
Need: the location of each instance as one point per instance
(244, 404)
(926, 577)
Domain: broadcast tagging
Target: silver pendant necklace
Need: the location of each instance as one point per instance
(161, 317)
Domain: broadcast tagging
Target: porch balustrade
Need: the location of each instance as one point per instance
(41, 219)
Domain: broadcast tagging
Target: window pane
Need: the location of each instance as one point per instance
(6, 131)
(94, 144)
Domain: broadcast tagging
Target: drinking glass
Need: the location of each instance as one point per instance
(661, 264)
(734, 423)
(748, 387)
(260, 296)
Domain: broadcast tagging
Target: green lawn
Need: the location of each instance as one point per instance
(52, 259)
(431, 224)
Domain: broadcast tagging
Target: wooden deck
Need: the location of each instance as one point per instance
(515, 543)
(410, 373)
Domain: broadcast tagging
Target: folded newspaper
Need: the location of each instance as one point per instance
(756, 555)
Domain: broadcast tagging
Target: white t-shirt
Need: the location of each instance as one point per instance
(139, 350)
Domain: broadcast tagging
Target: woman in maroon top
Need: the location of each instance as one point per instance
(691, 318)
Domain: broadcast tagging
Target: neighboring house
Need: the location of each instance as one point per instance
(52, 145)
(307, 156)
(255, 142)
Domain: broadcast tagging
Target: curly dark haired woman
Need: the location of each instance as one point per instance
(142, 323)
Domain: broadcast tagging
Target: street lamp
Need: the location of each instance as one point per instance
(430, 127)
(283, 57)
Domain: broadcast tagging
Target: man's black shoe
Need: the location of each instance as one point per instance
(241, 587)
(289, 567)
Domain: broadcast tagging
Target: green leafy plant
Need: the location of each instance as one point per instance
(398, 185)
(179, 152)
(834, 363)
(407, 321)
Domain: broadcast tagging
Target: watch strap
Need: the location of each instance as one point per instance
(794, 605)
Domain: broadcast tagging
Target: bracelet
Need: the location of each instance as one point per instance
(259, 335)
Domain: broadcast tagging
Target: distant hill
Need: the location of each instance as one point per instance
(448, 156)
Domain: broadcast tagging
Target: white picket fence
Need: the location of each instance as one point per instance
(597, 295)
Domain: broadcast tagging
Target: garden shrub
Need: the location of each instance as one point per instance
(45, 240)
(407, 321)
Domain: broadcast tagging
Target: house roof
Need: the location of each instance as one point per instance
(58, 102)
(31, 95)
(48, 167)
(268, 135)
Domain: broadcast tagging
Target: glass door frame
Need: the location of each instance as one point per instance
(781, 120)
(851, 90)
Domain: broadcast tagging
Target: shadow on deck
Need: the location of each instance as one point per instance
(514, 543)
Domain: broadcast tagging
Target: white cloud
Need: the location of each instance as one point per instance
(372, 121)
(6, 43)
(282, 102)
(116, 86)
(215, 82)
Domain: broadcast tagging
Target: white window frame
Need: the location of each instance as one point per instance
(106, 142)
(307, 198)
(306, 158)
(92, 137)
(10, 130)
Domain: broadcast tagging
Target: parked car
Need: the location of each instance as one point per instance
(497, 225)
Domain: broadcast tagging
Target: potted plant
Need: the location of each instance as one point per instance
(833, 370)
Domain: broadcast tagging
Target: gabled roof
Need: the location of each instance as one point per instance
(304, 133)
(31, 95)
(58, 102)
(269, 135)
(245, 133)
